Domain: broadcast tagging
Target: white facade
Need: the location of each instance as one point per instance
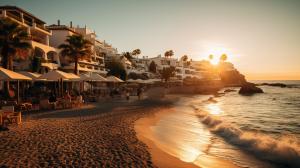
(39, 38)
(99, 49)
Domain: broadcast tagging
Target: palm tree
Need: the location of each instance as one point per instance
(13, 43)
(128, 55)
(76, 48)
(136, 52)
(152, 67)
(167, 73)
(169, 53)
(184, 58)
(223, 57)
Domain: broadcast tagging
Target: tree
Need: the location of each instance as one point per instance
(116, 68)
(169, 53)
(167, 73)
(223, 57)
(13, 46)
(136, 52)
(152, 67)
(76, 48)
(211, 57)
(36, 64)
(127, 55)
(184, 58)
(13, 43)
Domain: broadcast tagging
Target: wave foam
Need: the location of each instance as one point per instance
(284, 151)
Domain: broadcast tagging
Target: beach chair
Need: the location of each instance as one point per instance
(8, 115)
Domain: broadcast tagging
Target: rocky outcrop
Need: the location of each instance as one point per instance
(249, 89)
(282, 85)
(232, 78)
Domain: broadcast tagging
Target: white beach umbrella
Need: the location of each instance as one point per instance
(32, 75)
(85, 77)
(131, 80)
(113, 79)
(8, 75)
(56, 75)
(97, 77)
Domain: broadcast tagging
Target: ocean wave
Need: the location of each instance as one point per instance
(284, 152)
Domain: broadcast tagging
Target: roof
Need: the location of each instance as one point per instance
(21, 10)
(60, 27)
(8, 75)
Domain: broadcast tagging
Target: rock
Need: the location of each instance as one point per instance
(249, 89)
(229, 90)
(212, 100)
(232, 78)
(275, 84)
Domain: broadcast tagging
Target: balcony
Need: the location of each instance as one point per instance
(15, 15)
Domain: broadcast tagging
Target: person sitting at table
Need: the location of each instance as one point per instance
(52, 98)
(67, 100)
(67, 96)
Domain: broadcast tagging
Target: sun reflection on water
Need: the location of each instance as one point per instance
(214, 109)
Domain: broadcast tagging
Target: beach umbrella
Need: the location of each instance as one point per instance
(97, 77)
(32, 75)
(113, 79)
(58, 75)
(8, 75)
(131, 80)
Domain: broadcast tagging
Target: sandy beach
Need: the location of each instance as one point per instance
(98, 135)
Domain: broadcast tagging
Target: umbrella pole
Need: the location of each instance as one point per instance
(18, 99)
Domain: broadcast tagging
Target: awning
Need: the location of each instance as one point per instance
(8, 75)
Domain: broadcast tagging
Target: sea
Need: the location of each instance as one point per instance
(257, 131)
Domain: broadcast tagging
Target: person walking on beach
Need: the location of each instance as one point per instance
(127, 94)
(139, 92)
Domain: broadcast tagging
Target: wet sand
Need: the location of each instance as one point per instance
(162, 157)
(100, 136)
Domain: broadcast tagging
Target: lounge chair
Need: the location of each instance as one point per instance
(8, 115)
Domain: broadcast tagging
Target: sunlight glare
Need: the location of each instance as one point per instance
(214, 109)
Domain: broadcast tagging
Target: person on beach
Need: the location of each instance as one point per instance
(127, 94)
(67, 96)
(139, 92)
(52, 98)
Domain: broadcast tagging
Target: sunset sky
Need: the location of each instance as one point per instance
(261, 37)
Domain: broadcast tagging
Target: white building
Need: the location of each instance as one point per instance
(39, 38)
(100, 49)
(183, 69)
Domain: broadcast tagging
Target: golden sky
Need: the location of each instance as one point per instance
(261, 37)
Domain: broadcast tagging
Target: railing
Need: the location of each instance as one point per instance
(14, 14)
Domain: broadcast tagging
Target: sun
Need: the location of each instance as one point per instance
(214, 61)
(213, 52)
